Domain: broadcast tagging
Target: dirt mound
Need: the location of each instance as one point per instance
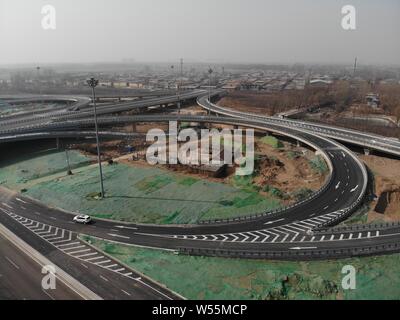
(269, 169)
(387, 188)
(388, 202)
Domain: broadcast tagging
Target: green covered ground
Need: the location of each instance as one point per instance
(217, 278)
(31, 167)
(149, 195)
(134, 194)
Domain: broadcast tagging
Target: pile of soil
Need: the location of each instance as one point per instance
(387, 188)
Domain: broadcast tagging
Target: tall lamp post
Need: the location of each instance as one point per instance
(92, 82)
(210, 71)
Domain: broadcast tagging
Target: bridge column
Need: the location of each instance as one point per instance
(58, 143)
(298, 143)
(134, 127)
(367, 152)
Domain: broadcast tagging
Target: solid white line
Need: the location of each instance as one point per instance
(354, 189)
(276, 236)
(52, 239)
(256, 237)
(127, 274)
(245, 237)
(123, 227)
(127, 293)
(40, 229)
(117, 236)
(67, 244)
(271, 222)
(301, 227)
(284, 239)
(74, 248)
(104, 278)
(95, 258)
(7, 205)
(79, 251)
(12, 262)
(48, 294)
(20, 200)
(101, 262)
(266, 237)
(86, 255)
(34, 226)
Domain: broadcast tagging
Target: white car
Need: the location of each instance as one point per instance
(83, 219)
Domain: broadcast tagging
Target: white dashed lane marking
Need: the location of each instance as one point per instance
(67, 242)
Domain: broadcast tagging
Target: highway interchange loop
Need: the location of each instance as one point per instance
(304, 231)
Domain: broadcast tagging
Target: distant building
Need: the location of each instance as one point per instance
(373, 100)
(320, 83)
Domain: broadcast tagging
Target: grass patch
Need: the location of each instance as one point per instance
(152, 184)
(188, 181)
(302, 194)
(218, 278)
(252, 199)
(319, 165)
(272, 141)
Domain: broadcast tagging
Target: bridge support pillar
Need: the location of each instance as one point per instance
(298, 143)
(367, 152)
(134, 127)
(58, 143)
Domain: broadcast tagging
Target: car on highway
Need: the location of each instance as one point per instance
(83, 219)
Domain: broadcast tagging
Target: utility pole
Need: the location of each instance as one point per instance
(68, 162)
(38, 81)
(173, 75)
(210, 71)
(179, 88)
(355, 67)
(93, 83)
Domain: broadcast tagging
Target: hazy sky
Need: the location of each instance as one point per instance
(262, 31)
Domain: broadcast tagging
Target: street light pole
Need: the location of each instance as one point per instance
(92, 82)
(179, 88)
(210, 71)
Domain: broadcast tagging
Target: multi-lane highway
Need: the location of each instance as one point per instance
(21, 277)
(296, 232)
(362, 139)
(104, 276)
